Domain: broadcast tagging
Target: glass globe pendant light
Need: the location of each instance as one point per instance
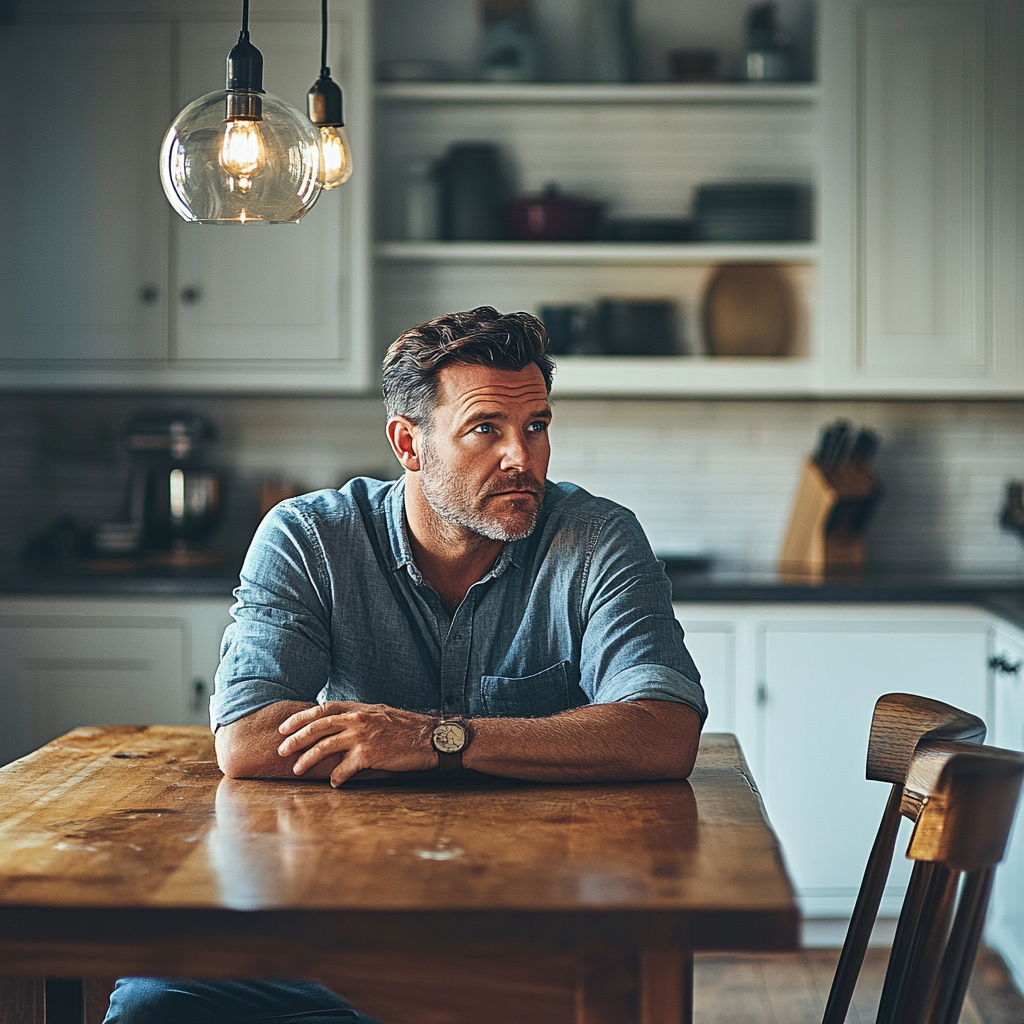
(240, 155)
(323, 101)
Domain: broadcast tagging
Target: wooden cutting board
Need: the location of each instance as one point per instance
(749, 310)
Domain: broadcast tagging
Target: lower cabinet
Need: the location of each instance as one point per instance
(797, 684)
(1005, 930)
(103, 662)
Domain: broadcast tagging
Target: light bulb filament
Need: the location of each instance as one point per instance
(242, 151)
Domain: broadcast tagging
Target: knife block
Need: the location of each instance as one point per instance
(826, 534)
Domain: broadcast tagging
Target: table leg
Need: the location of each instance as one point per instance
(22, 1000)
(606, 989)
(666, 986)
(96, 998)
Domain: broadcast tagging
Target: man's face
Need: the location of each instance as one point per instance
(484, 455)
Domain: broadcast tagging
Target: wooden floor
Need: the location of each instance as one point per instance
(792, 989)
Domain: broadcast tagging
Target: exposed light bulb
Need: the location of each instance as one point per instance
(240, 155)
(243, 152)
(324, 104)
(336, 164)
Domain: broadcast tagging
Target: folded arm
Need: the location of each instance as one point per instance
(644, 739)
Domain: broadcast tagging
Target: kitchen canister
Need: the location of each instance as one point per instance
(606, 31)
(422, 202)
(472, 189)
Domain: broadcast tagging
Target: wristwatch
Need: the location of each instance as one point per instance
(450, 738)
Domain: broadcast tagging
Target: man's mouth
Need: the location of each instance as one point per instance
(518, 490)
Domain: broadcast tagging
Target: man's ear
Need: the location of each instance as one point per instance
(405, 438)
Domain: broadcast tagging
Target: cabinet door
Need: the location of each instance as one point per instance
(60, 672)
(83, 221)
(712, 645)
(270, 295)
(923, 191)
(1005, 929)
(820, 683)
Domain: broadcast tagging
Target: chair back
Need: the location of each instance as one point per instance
(967, 796)
(901, 722)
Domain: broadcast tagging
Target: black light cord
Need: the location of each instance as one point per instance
(245, 20)
(325, 71)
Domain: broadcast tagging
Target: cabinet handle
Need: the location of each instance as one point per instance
(1000, 664)
(148, 294)
(198, 694)
(191, 295)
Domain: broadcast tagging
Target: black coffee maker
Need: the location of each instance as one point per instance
(173, 495)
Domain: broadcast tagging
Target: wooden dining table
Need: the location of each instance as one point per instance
(124, 851)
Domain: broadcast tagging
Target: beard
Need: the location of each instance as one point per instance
(449, 495)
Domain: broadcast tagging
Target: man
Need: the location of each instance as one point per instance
(468, 616)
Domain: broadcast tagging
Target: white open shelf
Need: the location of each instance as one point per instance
(597, 252)
(678, 375)
(581, 92)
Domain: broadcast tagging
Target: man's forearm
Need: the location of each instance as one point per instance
(631, 740)
(247, 748)
(646, 739)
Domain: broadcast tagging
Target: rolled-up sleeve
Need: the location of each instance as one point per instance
(278, 647)
(632, 647)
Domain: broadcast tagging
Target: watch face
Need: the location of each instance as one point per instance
(449, 737)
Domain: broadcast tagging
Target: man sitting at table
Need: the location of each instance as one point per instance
(470, 615)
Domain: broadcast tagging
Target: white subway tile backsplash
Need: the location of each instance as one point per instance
(702, 476)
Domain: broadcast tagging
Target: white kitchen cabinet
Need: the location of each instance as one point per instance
(104, 662)
(1005, 926)
(101, 284)
(820, 678)
(83, 221)
(799, 684)
(921, 217)
(712, 645)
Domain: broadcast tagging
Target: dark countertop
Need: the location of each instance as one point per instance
(693, 582)
(756, 584)
(150, 581)
(995, 592)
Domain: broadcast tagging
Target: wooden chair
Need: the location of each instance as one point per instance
(900, 723)
(966, 797)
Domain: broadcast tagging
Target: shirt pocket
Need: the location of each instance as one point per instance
(537, 696)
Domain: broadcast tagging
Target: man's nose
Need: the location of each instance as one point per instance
(516, 453)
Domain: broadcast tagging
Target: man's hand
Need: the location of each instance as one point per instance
(367, 736)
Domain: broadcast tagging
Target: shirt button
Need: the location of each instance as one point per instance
(457, 637)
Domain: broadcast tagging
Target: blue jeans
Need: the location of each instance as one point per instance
(187, 1001)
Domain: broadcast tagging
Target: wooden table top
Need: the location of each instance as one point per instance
(132, 832)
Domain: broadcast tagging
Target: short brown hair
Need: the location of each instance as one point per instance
(477, 337)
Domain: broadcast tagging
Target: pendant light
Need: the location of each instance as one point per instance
(240, 155)
(323, 101)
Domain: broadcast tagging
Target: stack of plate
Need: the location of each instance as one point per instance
(752, 212)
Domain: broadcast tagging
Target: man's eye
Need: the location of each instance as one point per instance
(539, 426)
(483, 428)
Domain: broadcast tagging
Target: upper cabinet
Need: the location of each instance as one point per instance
(895, 132)
(922, 262)
(101, 284)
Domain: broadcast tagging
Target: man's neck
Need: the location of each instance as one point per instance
(450, 558)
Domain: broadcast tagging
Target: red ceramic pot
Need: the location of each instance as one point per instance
(552, 217)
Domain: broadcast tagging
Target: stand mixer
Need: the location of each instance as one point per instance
(173, 497)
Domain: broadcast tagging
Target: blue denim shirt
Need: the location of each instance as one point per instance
(331, 607)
